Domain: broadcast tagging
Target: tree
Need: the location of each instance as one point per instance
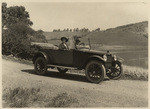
(38, 36)
(16, 31)
(14, 14)
(67, 30)
(15, 39)
(58, 30)
(97, 30)
(54, 30)
(40, 31)
(77, 29)
(74, 30)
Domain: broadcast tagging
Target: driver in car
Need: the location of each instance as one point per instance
(63, 45)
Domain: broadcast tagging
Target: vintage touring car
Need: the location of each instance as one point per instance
(96, 64)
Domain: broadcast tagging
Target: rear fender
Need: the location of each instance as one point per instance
(40, 54)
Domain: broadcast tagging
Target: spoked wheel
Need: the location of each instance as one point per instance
(115, 71)
(40, 66)
(95, 71)
(62, 70)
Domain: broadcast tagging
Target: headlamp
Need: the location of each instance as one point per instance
(105, 57)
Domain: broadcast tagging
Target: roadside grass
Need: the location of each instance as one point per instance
(19, 60)
(62, 100)
(135, 73)
(31, 97)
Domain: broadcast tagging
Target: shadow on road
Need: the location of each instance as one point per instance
(55, 74)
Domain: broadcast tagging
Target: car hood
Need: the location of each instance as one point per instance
(93, 51)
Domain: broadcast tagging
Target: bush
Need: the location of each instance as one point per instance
(20, 97)
(135, 73)
(17, 33)
(62, 100)
(31, 97)
(16, 40)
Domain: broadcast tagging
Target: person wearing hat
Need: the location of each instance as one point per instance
(77, 41)
(63, 45)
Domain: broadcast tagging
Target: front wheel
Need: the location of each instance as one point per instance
(95, 71)
(115, 71)
(40, 66)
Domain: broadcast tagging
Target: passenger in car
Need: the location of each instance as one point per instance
(77, 41)
(63, 45)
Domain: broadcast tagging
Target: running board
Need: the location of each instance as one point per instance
(72, 68)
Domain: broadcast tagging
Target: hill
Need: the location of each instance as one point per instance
(140, 27)
(58, 35)
(127, 35)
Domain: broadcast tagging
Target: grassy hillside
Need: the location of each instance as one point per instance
(141, 27)
(127, 35)
(131, 35)
(58, 35)
(118, 38)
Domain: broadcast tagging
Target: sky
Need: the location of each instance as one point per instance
(61, 15)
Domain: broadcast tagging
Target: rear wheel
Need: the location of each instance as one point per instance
(115, 71)
(95, 71)
(40, 66)
(62, 70)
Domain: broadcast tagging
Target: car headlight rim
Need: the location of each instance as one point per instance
(105, 57)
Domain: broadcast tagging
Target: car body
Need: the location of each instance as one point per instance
(79, 59)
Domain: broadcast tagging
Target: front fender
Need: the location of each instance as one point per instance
(94, 57)
(40, 54)
(97, 57)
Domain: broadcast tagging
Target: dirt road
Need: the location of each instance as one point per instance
(109, 93)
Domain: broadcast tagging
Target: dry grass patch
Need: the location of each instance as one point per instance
(62, 100)
(25, 97)
(135, 73)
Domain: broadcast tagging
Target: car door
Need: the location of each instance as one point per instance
(62, 57)
(79, 58)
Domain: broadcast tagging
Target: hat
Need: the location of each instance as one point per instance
(62, 38)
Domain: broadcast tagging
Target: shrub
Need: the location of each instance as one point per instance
(136, 73)
(17, 41)
(62, 100)
(17, 33)
(20, 97)
(31, 97)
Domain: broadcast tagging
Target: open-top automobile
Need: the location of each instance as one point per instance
(96, 64)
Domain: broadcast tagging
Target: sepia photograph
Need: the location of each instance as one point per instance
(69, 54)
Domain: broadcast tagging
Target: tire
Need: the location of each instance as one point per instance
(40, 66)
(95, 71)
(61, 70)
(115, 71)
